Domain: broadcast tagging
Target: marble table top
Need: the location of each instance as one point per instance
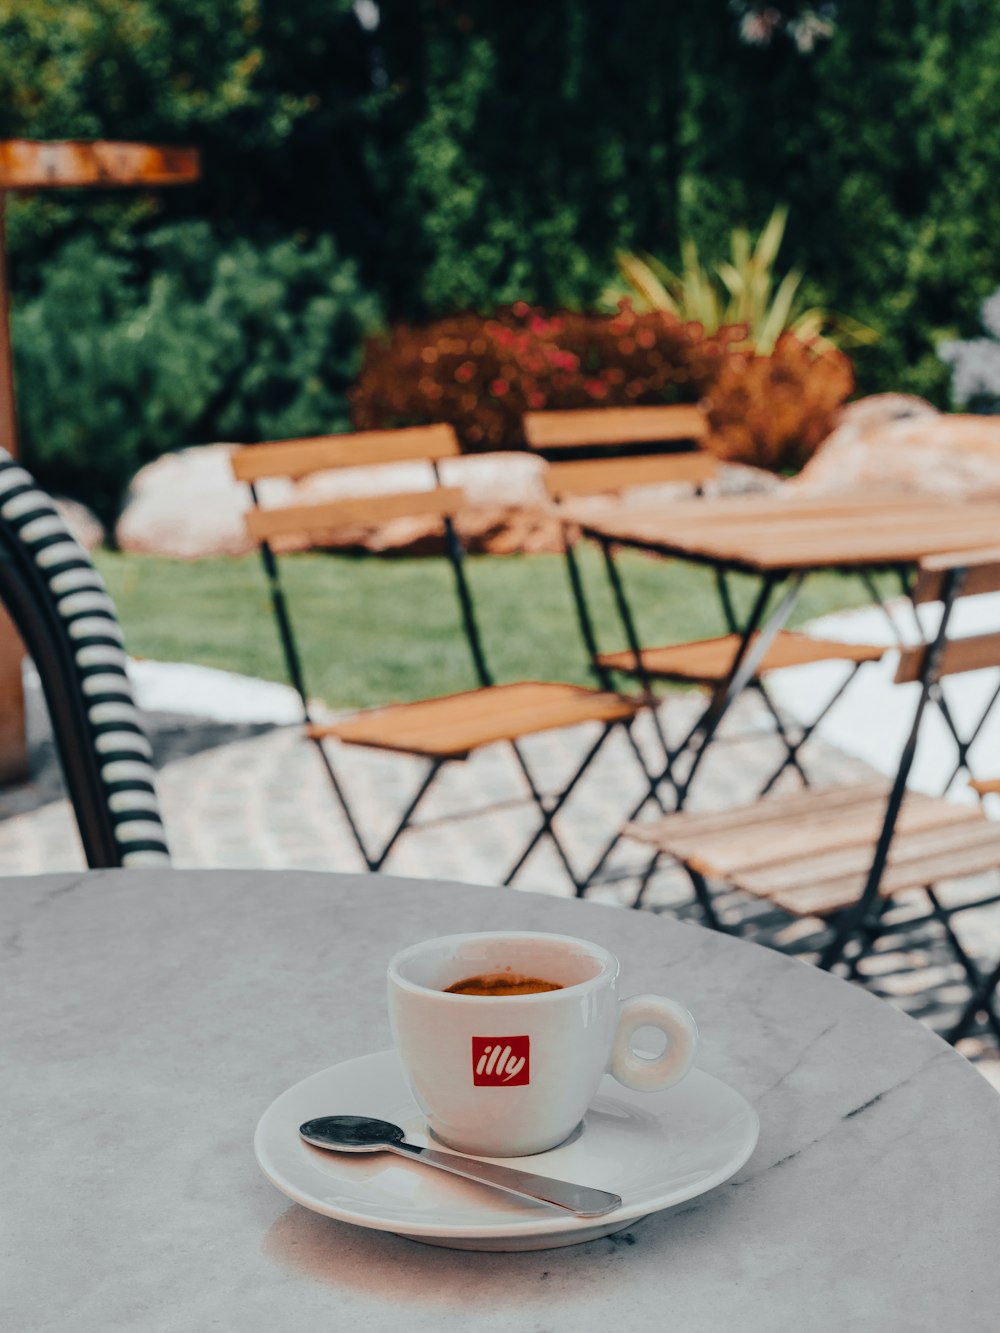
(151, 1017)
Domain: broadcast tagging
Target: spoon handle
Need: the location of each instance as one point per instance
(578, 1199)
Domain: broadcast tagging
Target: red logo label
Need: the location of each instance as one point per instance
(500, 1062)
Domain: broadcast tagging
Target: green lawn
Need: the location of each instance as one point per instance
(374, 630)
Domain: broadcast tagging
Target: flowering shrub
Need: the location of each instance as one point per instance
(482, 375)
(773, 411)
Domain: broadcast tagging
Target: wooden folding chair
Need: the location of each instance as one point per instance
(440, 730)
(842, 854)
(708, 663)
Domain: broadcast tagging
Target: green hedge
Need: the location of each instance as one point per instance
(224, 341)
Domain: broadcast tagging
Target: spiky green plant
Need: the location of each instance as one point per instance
(744, 291)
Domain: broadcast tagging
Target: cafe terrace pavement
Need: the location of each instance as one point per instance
(241, 787)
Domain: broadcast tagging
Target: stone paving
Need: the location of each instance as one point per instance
(257, 796)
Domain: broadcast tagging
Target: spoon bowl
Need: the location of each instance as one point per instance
(351, 1133)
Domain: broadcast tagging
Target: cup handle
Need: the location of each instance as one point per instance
(676, 1024)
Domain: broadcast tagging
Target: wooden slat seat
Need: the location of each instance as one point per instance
(809, 853)
(456, 724)
(708, 661)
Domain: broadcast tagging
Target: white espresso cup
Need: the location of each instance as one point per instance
(511, 1075)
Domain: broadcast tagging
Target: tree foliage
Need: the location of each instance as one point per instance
(467, 154)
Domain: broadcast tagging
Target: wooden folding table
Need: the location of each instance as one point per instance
(781, 540)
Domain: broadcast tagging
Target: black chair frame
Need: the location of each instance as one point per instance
(548, 804)
(105, 759)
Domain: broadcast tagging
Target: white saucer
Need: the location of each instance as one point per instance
(654, 1149)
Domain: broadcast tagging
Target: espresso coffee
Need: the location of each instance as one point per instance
(501, 983)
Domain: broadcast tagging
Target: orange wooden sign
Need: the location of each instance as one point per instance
(26, 164)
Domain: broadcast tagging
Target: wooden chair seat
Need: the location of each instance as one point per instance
(809, 852)
(708, 661)
(456, 724)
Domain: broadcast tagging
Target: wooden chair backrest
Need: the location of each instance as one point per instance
(597, 476)
(613, 425)
(295, 459)
(982, 573)
(974, 652)
(610, 427)
(322, 453)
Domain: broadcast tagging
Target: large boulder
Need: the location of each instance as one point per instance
(902, 445)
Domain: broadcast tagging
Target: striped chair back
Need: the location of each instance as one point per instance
(61, 608)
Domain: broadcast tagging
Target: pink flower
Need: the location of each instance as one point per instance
(564, 360)
(499, 387)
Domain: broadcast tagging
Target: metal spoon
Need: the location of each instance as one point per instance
(358, 1133)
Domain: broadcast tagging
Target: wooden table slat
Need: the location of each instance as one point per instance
(778, 535)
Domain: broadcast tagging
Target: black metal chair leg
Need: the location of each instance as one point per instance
(702, 892)
(791, 759)
(981, 991)
(549, 812)
(842, 934)
(704, 896)
(375, 860)
(980, 1002)
(807, 732)
(645, 879)
(748, 658)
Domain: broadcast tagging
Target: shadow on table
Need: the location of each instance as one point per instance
(335, 1254)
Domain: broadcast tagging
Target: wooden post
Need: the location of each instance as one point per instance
(13, 736)
(28, 165)
(8, 414)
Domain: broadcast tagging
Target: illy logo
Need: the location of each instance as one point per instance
(500, 1062)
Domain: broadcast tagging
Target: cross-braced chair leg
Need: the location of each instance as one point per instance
(375, 860)
(550, 807)
(806, 731)
(983, 998)
(982, 1001)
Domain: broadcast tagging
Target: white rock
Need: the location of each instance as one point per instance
(902, 445)
(189, 504)
(223, 696)
(82, 522)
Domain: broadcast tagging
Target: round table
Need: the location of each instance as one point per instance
(152, 1016)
